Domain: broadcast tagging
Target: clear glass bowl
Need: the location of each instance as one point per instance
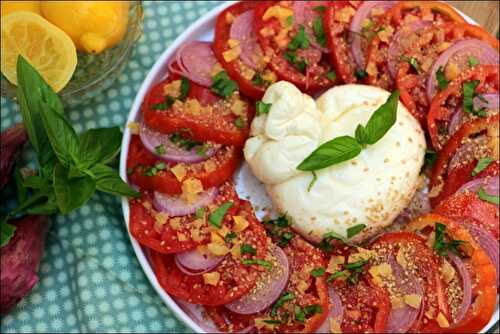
(95, 73)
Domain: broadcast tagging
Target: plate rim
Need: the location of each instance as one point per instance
(207, 21)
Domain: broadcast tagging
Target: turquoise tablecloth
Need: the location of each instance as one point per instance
(90, 279)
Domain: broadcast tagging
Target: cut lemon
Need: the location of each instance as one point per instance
(46, 47)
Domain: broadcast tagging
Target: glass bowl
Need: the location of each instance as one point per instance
(95, 73)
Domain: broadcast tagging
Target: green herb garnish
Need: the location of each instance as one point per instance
(412, 61)
(184, 143)
(483, 195)
(352, 231)
(319, 31)
(335, 275)
(441, 78)
(262, 108)
(239, 122)
(360, 74)
(285, 239)
(289, 21)
(300, 41)
(291, 58)
(473, 61)
(441, 245)
(200, 213)
(331, 75)
(259, 81)
(216, 217)
(222, 85)
(481, 165)
(317, 272)
(230, 236)
(313, 181)
(468, 99)
(247, 249)
(285, 297)
(160, 149)
(263, 263)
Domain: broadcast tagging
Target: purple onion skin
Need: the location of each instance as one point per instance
(11, 142)
(20, 259)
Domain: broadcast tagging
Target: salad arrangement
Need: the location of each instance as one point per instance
(437, 272)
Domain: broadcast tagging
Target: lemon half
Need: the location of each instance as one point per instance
(45, 47)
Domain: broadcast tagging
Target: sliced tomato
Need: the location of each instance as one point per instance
(402, 13)
(337, 24)
(211, 172)
(467, 208)
(418, 262)
(307, 68)
(455, 162)
(234, 278)
(203, 116)
(247, 77)
(479, 266)
(446, 102)
(174, 234)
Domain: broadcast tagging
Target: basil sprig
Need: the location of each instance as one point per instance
(344, 148)
(71, 166)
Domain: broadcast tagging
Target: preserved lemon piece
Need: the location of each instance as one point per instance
(92, 25)
(16, 6)
(45, 47)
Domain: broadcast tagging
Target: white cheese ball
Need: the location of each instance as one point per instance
(372, 189)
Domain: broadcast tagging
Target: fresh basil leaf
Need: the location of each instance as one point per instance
(355, 265)
(361, 135)
(441, 245)
(300, 40)
(49, 207)
(259, 81)
(160, 149)
(230, 236)
(335, 275)
(222, 85)
(483, 195)
(473, 61)
(317, 272)
(381, 120)
(481, 165)
(108, 180)
(35, 182)
(319, 31)
(217, 216)
(292, 58)
(441, 78)
(99, 145)
(289, 21)
(248, 249)
(6, 232)
(71, 193)
(312, 309)
(262, 108)
(330, 153)
(285, 297)
(360, 74)
(352, 231)
(285, 239)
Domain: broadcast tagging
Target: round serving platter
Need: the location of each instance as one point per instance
(247, 185)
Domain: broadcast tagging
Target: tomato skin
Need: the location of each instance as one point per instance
(440, 177)
(484, 272)
(139, 159)
(222, 35)
(217, 125)
(426, 8)
(488, 76)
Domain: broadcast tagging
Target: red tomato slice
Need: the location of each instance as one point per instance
(211, 173)
(337, 28)
(234, 278)
(246, 77)
(306, 68)
(479, 266)
(421, 264)
(445, 103)
(446, 179)
(203, 116)
(174, 234)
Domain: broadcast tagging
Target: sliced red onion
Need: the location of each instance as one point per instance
(11, 142)
(336, 311)
(194, 260)
(466, 285)
(175, 206)
(267, 290)
(456, 120)
(362, 13)
(488, 101)
(488, 243)
(152, 139)
(304, 14)
(395, 48)
(242, 30)
(460, 52)
(191, 272)
(196, 61)
(490, 184)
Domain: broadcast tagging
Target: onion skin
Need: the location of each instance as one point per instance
(194, 260)
(175, 206)
(195, 61)
(11, 142)
(336, 311)
(242, 30)
(466, 286)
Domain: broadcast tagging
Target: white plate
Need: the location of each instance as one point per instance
(246, 183)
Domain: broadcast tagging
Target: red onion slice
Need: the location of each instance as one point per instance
(336, 311)
(489, 101)
(362, 13)
(175, 206)
(194, 260)
(459, 53)
(395, 47)
(190, 272)
(267, 290)
(11, 142)
(490, 184)
(242, 30)
(152, 139)
(466, 285)
(196, 61)
(489, 244)
(304, 14)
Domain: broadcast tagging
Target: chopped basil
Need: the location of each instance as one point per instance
(300, 41)
(262, 108)
(202, 150)
(335, 275)
(230, 236)
(469, 93)
(151, 171)
(289, 21)
(360, 74)
(325, 243)
(239, 122)
(352, 231)
(184, 89)
(169, 101)
(257, 80)
(263, 263)
(483, 195)
(441, 246)
(200, 213)
(285, 297)
(319, 31)
(356, 269)
(281, 221)
(313, 181)
(473, 61)
(331, 75)
(430, 157)
(184, 143)
(160, 149)
(441, 78)
(291, 58)
(355, 265)
(320, 9)
(247, 249)
(317, 272)
(285, 239)
(271, 322)
(302, 313)
(300, 316)
(216, 217)
(481, 165)
(222, 85)
(413, 62)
